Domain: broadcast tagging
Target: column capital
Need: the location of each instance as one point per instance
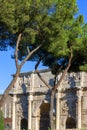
(58, 94)
(30, 97)
(79, 93)
(14, 98)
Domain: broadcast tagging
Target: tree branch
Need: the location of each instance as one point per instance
(28, 49)
(41, 78)
(18, 69)
(65, 71)
(16, 50)
(30, 54)
(60, 68)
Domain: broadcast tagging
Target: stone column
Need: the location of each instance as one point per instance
(14, 114)
(79, 114)
(36, 122)
(19, 123)
(37, 119)
(30, 98)
(82, 78)
(9, 110)
(58, 95)
(5, 114)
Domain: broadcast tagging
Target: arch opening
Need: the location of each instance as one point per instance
(70, 123)
(44, 116)
(24, 124)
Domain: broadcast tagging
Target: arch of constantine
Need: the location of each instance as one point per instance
(28, 104)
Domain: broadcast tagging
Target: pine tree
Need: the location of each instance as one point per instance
(67, 50)
(21, 24)
(50, 26)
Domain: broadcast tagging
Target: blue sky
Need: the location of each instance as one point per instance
(7, 65)
(7, 68)
(82, 5)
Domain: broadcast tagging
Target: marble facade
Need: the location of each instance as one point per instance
(30, 102)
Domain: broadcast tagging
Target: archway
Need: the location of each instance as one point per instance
(44, 116)
(70, 123)
(24, 124)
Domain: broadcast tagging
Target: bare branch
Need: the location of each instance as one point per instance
(16, 50)
(8, 89)
(28, 49)
(41, 78)
(65, 71)
(30, 54)
(18, 69)
(60, 68)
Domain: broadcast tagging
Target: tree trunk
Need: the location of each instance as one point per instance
(51, 110)
(18, 68)
(4, 96)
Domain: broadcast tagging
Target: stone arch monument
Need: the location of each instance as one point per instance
(30, 101)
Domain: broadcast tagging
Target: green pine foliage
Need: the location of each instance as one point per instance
(26, 16)
(68, 31)
(54, 22)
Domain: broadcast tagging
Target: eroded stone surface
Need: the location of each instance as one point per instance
(31, 106)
